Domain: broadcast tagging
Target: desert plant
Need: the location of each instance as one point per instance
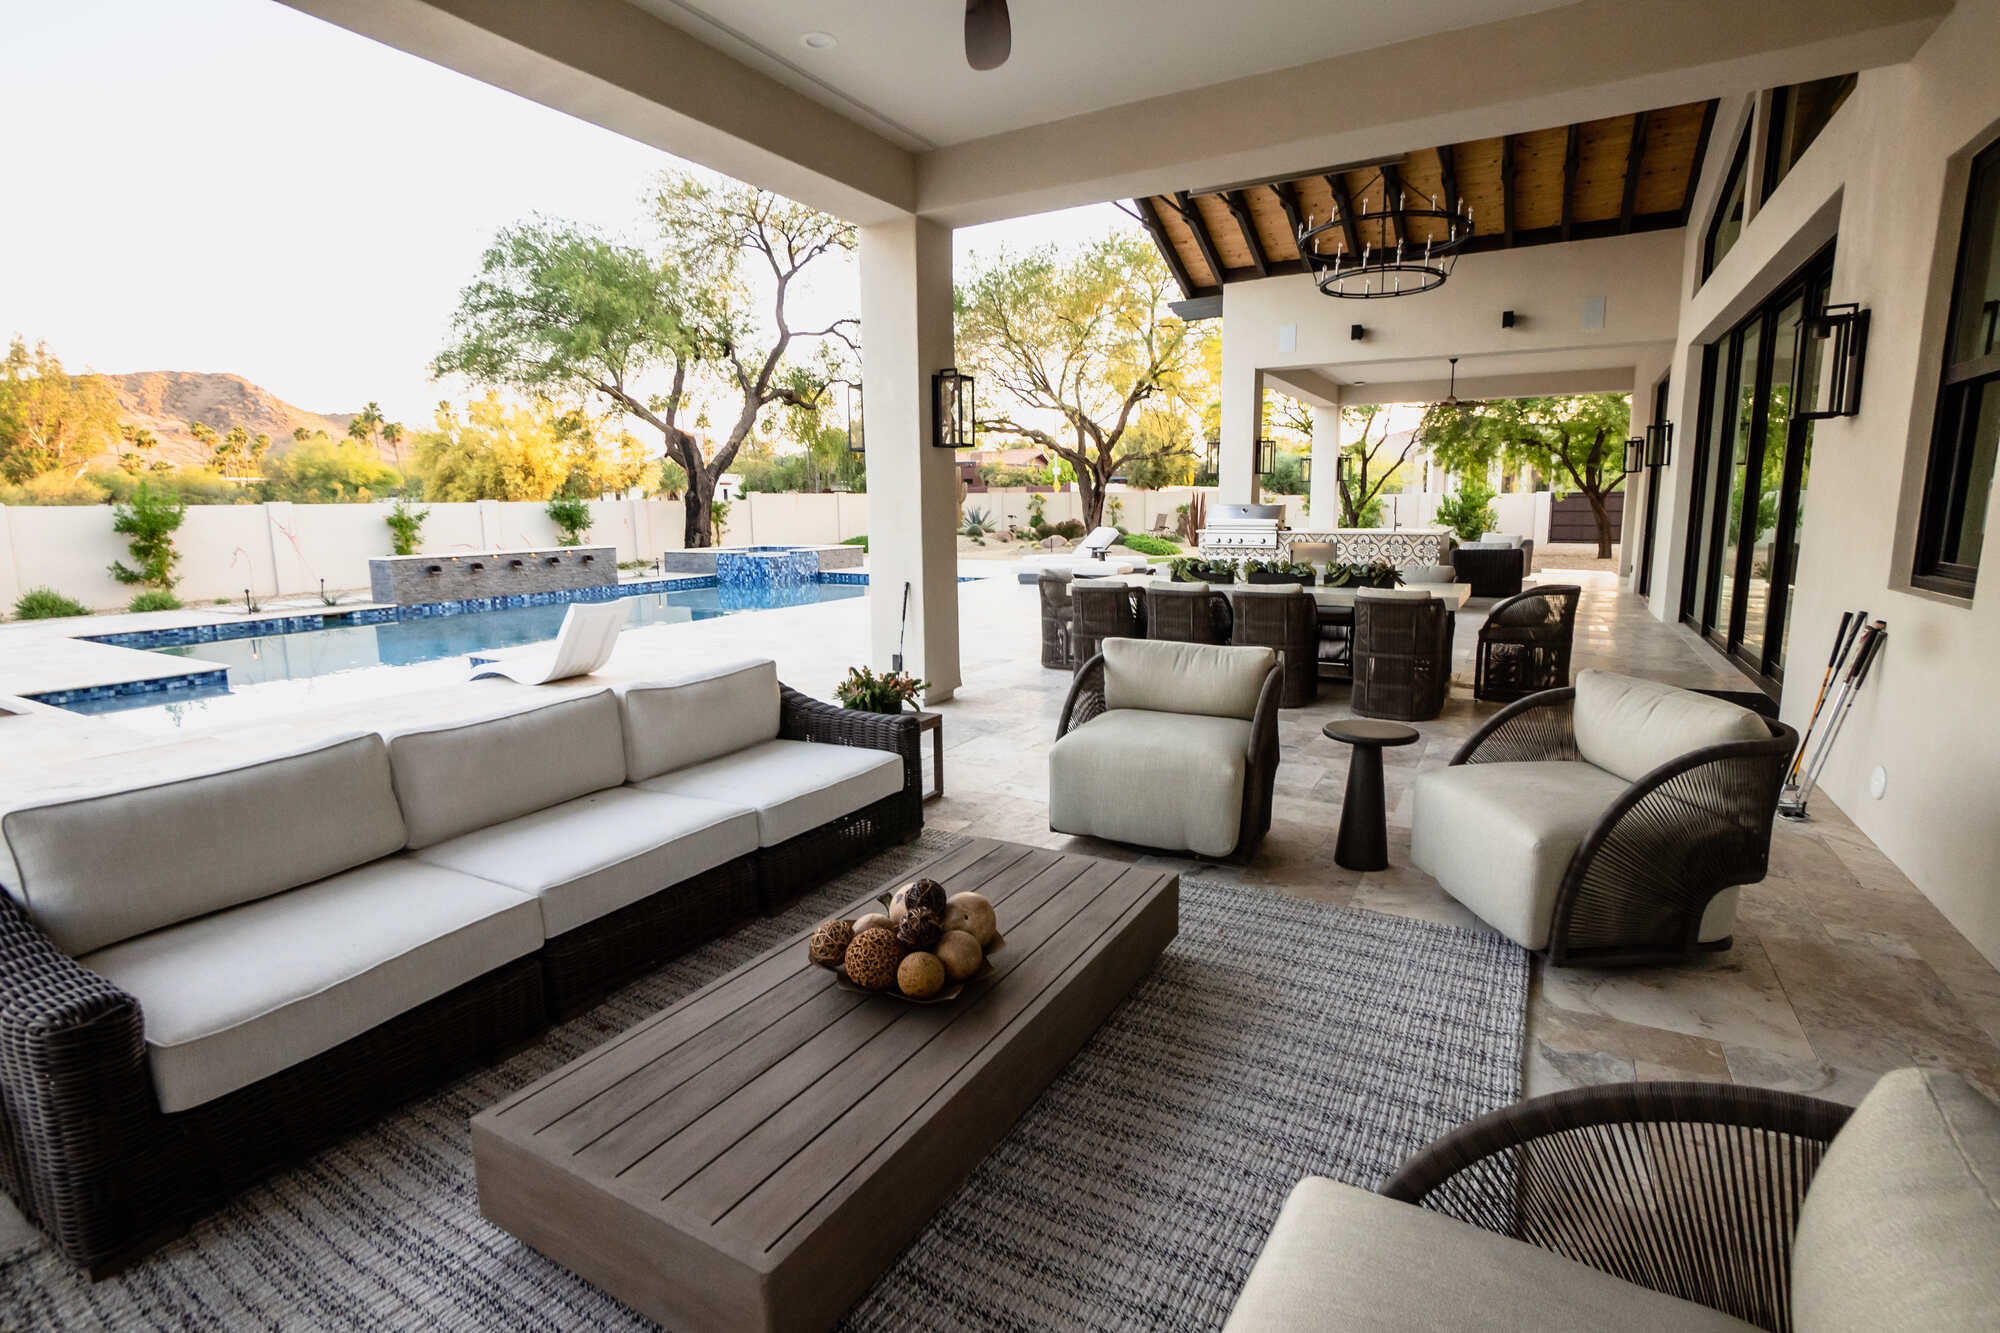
(1277, 571)
(1195, 569)
(1071, 528)
(1038, 517)
(867, 692)
(1194, 517)
(1146, 544)
(47, 604)
(1362, 574)
(406, 527)
(718, 512)
(155, 599)
(571, 517)
(1469, 511)
(976, 525)
(150, 522)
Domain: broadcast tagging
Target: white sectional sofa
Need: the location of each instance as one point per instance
(204, 976)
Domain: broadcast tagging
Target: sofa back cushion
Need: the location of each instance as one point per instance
(1212, 680)
(1630, 727)
(1500, 539)
(95, 870)
(462, 776)
(1429, 574)
(1901, 1226)
(671, 724)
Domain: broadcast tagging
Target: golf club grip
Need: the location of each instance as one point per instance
(1840, 639)
(1861, 642)
(1868, 651)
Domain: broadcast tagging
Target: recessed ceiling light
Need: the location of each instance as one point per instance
(819, 41)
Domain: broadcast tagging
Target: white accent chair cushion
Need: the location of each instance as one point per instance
(1491, 539)
(598, 853)
(1341, 1258)
(672, 724)
(95, 870)
(462, 776)
(1215, 680)
(237, 996)
(1901, 1226)
(1630, 727)
(1498, 837)
(1092, 772)
(1429, 574)
(793, 786)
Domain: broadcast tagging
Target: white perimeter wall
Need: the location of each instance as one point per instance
(1888, 174)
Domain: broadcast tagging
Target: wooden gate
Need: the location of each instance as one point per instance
(1570, 519)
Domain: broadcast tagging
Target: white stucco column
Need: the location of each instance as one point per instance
(906, 326)
(1242, 419)
(1323, 495)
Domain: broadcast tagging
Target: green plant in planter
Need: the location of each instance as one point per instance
(1362, 574)
(867, 692)
(1277, 571)
(1469, 511)
(1195, 569)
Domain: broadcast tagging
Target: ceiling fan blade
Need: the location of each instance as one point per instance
(989, 33)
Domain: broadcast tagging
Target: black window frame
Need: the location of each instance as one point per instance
(1739, 169)
(1948, 466)
(1775, 166)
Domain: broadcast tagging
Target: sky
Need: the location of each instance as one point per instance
(231, 185)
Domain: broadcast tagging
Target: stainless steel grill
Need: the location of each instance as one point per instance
(1242, 529)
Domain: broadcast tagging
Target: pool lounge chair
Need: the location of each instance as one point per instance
(589, 633)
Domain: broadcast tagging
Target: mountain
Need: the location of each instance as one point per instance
(164, 401)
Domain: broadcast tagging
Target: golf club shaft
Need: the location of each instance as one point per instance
(1840, 641)
(1867, 644)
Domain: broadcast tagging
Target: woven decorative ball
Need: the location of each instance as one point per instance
(920, 929)
(925, 893)
(920, 976)
(829, 943)
(872, 959)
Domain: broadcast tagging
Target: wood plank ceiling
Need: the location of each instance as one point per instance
(1571, 182)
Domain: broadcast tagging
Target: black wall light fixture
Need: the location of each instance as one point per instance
(1660, 444)
(951, 409)
(1506, 319)
(1306, 468)
(1832, 345)
(1267, 457)
(1635, 454)
(856, 443)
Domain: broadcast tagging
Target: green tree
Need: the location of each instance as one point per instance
(1370, 463)
(495, 451)
(137, 455)
(210, 441)
(49, 418)
(1576, 439)
(571, 517)
(149, 523)
(1086, 339)
(1162, 450)
(322, 471)
(406, 526)
(392, 435)
(367, 424)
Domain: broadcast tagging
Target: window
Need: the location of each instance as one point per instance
(1798, 114)
(1952, 531)
(1727, 224)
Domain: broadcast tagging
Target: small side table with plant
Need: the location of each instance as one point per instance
(889, 692)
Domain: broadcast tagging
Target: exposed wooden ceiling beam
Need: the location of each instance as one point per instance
(1150, 218)
(1392, 201)
(1572, 157)
(1288, 199)
(1507, 189)
(1240, 210)
(1700, 154)
(1635, 158)
(1448, 174)
(1184, 204)
(1346, 207)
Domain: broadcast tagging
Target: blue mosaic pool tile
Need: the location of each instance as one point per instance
(165, 687)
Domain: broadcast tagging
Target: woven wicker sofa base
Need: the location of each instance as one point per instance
(583, 965)
(799, 864)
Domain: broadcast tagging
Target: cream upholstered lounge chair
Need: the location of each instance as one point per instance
(1609, 822)
(589, 633)
(1207, 713)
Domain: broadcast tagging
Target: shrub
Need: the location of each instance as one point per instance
(1145, 544)
(47, 604)
(571, 517)
(1071, 528)
(1037, 515)
(150, 521)
(861, 541)
(976, 525)
(406, 527)
(156, 599)
(1468, 512)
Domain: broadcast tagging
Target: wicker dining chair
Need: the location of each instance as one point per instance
(1402, 656)
(1285, 618)
(1101, 609)
(1524, 646)
(1057, 615)
(1182, 613)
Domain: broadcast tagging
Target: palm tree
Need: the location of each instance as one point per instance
(392, 435)
(365, 425)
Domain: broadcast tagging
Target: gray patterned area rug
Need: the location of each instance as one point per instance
(1277, 1038)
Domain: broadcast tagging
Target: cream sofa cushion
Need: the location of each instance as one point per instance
(95, 870)
(674, 723)
(598, 853)
(1342, 1258)
(1214, 680)
(462, 776)
(1094, 786)
(793, 786)
(237, 996)
(1492, 539)
(1630, 727)
(1429, 574)
(1901, 1226)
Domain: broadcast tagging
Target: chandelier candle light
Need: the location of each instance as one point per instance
(1426, 241)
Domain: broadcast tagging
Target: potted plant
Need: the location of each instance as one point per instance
(1469, 511)
(1376, 573)
(1277, 571)
(867, 692)
(1195, 569)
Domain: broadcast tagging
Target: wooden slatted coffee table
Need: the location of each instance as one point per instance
(756, 1156)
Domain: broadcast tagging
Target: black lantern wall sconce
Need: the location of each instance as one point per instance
(1306, 468)
(1267, 457)
(1635, 454)
(855, 441)
(951, 409)
(1833, 343)
(1660, 444)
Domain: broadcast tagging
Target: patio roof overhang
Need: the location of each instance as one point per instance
(1604, 177)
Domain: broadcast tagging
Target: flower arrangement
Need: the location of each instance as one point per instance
(867, 692)
(1376, 573)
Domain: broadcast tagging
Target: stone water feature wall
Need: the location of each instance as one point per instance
(409, 579)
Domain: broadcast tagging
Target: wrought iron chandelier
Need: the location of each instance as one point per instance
(1392, 246)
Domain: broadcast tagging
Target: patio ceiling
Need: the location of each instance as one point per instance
(1607, 177)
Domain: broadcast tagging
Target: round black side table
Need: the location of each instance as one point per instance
(1364, 824)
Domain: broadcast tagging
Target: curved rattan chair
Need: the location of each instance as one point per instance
(1639, 882)
(1100, 609)
(1691, 1189)
(1285, 618)
(1401, 656)
(1524, 646)
(1053, 586)
(1182, 613)
(1493, 571)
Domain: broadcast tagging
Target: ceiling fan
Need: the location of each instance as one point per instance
(989, 33)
